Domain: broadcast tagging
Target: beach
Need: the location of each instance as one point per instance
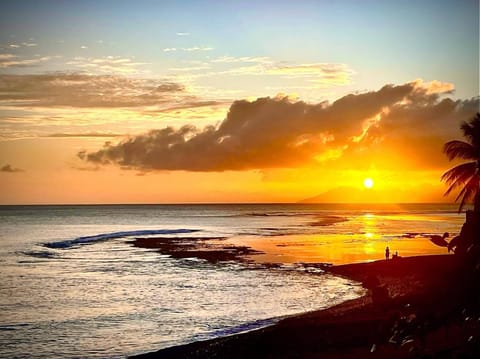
(416, 307)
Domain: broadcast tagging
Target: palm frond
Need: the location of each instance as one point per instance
(466, 174)
(458, 176)
(459, 172)
(469, 191)
(471, 130)
(460, 149)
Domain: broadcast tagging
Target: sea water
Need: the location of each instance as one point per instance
(73, 285)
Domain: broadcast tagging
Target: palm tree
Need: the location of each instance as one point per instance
(466, 175)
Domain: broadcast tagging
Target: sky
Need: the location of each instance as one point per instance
(232, 101)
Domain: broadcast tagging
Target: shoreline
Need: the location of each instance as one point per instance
(413, 307)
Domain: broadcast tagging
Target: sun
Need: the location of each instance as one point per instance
(368, 183)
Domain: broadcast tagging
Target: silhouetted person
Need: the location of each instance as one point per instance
(387, 253)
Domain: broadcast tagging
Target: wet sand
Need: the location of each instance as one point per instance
(416, 307)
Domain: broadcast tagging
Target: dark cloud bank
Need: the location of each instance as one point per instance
(278, 133)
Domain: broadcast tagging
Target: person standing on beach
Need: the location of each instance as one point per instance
(387, 253)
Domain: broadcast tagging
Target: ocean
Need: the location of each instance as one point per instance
(117, 280)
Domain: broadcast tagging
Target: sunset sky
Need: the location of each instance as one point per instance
(232, 101)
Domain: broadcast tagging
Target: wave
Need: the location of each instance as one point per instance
(113, 235)
(10, 327)
(39, 254)
(275, 214)
(242, 328)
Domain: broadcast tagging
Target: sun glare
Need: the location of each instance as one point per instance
(368, 183)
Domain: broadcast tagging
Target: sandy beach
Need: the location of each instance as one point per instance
(416, 307)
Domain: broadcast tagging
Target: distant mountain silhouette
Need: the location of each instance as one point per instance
(345, 194)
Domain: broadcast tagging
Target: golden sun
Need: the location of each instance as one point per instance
(368, 183)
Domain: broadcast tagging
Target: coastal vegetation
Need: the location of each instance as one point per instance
(465, 175)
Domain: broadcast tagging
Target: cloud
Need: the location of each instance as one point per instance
(279, 133)
(87, 168)
(10, 60)
(183, 34)
(8, 168)
(320, 72)
(83, 134)
(107, 64)
(189, 49)
(315, 74)
(198, 48)
(231, 59)
(23, 44)
(435, 86)
(83, 90)
(201, 67)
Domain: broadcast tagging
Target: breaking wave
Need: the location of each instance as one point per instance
(107, 236)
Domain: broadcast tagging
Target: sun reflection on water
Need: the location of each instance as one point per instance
(359, 239)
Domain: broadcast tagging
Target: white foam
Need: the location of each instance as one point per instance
(106, 236)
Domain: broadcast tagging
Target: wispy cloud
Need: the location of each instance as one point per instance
(23, 44)
(315, 75)
(183, 34)
(332, 73)
(188, 49)
(10, 169)
(231, 59)
(10, 60)
(198, 48)
(200, 67)
(83, 134)
(91, 91)
(107, 64)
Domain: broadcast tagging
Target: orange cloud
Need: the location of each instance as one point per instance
(107, 64)
(10, 60)
(279, 133)
(434, 87)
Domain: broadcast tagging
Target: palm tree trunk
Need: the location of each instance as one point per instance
(476, 202)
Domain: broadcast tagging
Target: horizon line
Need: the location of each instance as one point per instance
(219, 203)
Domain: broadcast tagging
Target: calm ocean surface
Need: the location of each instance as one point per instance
(73, 285)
